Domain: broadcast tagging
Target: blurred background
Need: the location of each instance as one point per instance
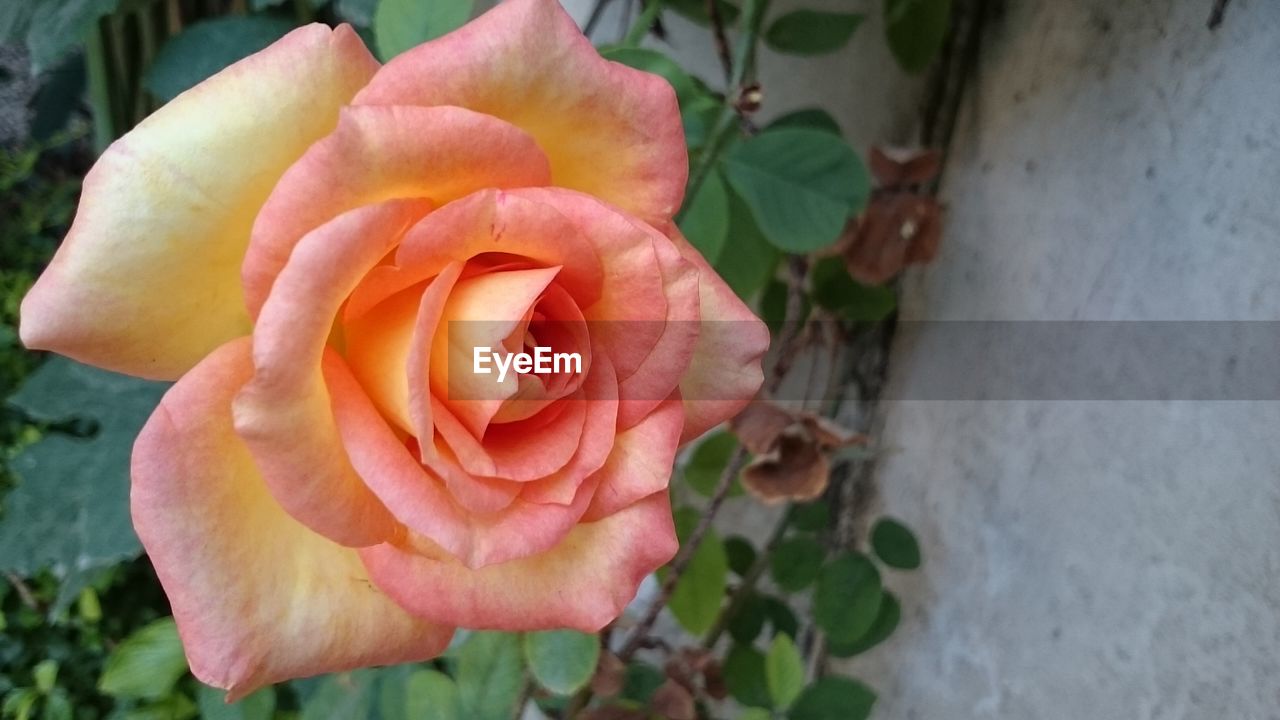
(1084, 555)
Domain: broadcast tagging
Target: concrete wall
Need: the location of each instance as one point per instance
(1103, 559)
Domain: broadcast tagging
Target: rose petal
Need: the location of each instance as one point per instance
(284, 414)
(380, 153)
(725, 373)
(526, 62)
(258, 598)
(641, 461)
(148, 279)
(419, 499)
(584, 582)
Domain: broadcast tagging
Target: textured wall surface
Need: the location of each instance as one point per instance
(1105, 560)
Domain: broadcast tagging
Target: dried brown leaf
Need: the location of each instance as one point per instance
(673, 701)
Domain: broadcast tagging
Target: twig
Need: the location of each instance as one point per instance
(1218, 13)
(24, 592)
(593, 20)
(754, 573)
(797, 267)
(640, 28)
(721, 40)
(682, 559)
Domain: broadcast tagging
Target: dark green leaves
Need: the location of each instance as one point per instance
(708, 462)
(783, 671)
(147, 664)
(705, 221)
(489, 675)
(744, 676)
(795, 562)
(847, 598)
(70, 512)
(261, 705)
(699, 593)
(886, 622)
(916, 30)
(811, 32)
(834, 289)
(801, 185)
(812, 118)
(654, 62)
(741, 554)
(401, 24)
(562, 661)
(431, 695)
(810, 517)
(834, 698)
(895, 544)
(748, 260)
(207, 47)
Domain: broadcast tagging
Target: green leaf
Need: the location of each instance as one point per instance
(401, 24)
(795, 563)
(811, 32)
(812, 118)
(19, 701)
(773, 305)
(147, 664)
(562, 661)
(341, 696)
(207, 47)
(431, 695)
(835, 290)
(57, 706)
(744, 676)
(45, 673)
(810, 517)
(699, 594)
(748, 261)
(641, 681)
(895, 544)
(847, 599)
(741, 554)
(886, 622)
(755, 714)
(834, 698)
(489, 675)
(783, 671)
(356, 12)
(781, 617)
(916, 30)
(54, 27)
(748, 620)
(652, 61)
(174, 706)
(707, 463)
(705, 220)
(801, 185)
(261, 705)
(70, 510)
(696, 10)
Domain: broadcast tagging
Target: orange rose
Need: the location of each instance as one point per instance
(296, 241)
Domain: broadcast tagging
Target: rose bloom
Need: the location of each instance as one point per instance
(290, 239)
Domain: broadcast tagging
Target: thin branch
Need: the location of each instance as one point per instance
(593, 20)
(1218, 13)
(721, 39)
(682, 559)
(643, 24)
(24, 592)
(748, 584)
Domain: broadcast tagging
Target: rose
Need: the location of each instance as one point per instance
(290, 239)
